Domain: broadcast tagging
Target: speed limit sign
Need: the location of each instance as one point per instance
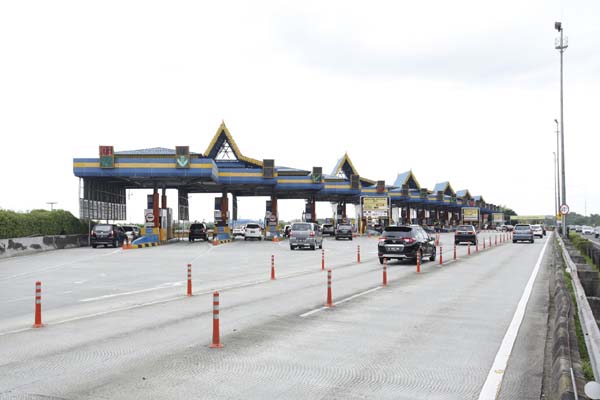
(564, 209)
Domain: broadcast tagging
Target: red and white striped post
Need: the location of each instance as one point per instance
(385, 272)
(441, 256)
(419, 261)
(484, 243)
(322, 259)
(358, 253)
(329, 297)
(469, 249)
(189, 280)
(455, 251)
(38, 305)
(216, 339)
(477, 244)
(272, 267)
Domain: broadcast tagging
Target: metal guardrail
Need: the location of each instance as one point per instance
(588, 321)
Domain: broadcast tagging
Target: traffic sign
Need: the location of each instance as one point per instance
(564, 209)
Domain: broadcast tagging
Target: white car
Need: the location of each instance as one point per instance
(537, 230)
(239, 230)
(253, 231)
(587, 230)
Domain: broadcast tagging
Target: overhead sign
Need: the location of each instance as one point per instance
(497, 217)
(107, 157)
(182, 159)
(470, 214)
(564, 209)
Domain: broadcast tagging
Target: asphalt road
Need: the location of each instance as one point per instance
(118, 323)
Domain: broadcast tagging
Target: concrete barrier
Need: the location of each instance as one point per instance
(31, 245)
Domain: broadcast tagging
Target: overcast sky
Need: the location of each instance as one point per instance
(465, 91)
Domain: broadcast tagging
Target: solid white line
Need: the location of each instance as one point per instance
(492, 384)
(306, 314)
(109, 296)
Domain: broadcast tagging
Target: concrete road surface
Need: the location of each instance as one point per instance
(119, 326)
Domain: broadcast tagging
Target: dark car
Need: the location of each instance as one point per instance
(343, 231)
(107, 234)
(198, 231)
(465, 233)
(404, 242)
(327, 229)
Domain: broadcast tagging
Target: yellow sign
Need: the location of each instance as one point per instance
(559, 217)
(375, 203)
(497, 218)
(470, 214)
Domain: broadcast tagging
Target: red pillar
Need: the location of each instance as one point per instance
(155, 209)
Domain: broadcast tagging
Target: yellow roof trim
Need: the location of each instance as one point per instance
(236, 150)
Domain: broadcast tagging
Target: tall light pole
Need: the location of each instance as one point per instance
(52, 203)
(555, 191)
(561, 45)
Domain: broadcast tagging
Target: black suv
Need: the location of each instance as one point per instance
(107, 234)
(198, 231)
(403, 242)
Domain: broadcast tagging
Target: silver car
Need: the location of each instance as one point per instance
(523, 232)
(306, 234)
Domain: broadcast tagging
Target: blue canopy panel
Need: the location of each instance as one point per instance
(247, 176)
(341, 187)
(145, 168)
(285, 183)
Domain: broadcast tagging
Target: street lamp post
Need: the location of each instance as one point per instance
(52, 203)
(555, 192)
(561, 44)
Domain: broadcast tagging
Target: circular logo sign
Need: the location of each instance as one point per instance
(564, 209)
(149, 217)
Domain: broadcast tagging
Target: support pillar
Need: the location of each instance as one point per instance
(183, 212)
(273, 219)
(155, 208)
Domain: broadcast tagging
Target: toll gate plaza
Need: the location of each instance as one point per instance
(223, 169)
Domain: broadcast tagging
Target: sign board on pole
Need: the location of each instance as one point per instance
(470, 214)
(564, 209)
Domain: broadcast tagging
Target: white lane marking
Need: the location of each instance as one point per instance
(18, 299)
(110, 296)
(492, 384)
(79, 282)
(306, 314)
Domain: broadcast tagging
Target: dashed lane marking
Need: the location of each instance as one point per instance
(306, 314)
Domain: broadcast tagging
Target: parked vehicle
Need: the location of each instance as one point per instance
(465, 233)
(132, 232)
(523, 232)
(538, 231)
(343, 231)
(107, 234)
(253, 231)
(587, 230)
(198, 231)
(405, 242)
(328, 229)
(306, 234)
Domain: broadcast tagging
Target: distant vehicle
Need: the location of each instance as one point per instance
(465, 233)
(239, 231)
(253, 231)
(132, 232)
(107, 234)
(343, 231)
(508, 228)
(306, 234)
(499, 228)
(597, 232)
(327, 229)
(405, 242)
(523, 232)
(587, 230)
(538, 231)
(286, 231)
(198, 231)
(578, 228)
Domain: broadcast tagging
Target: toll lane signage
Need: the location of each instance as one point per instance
(107, 157)
(375, 206)
(497, 218)
(182, 156)
(470, 214)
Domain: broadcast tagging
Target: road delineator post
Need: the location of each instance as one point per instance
(441, 256)
(484, 243)
(385, 272)
(272, 267)
(490, 242)
(38, 305)
(189, 279)
(496, 240)
(358, 253)
(477, 244)
(216, 337)
(322, 260)
(455, 251)
(469, 249)
(329, 296)
(418, 261)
